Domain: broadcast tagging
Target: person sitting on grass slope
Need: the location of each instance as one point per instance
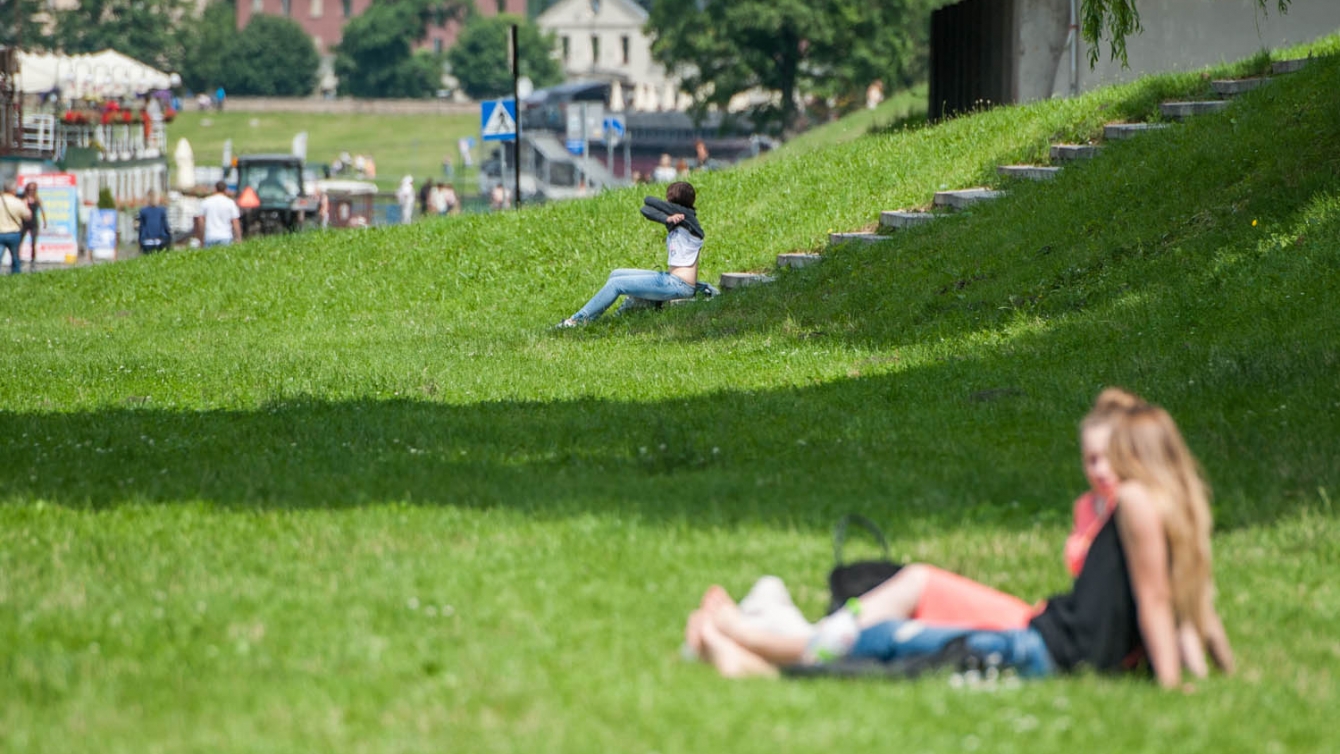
(1144, 589)
(684, 243)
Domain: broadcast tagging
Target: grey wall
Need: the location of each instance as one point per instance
(1179, 35)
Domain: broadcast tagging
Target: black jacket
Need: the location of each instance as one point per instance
(659, 210)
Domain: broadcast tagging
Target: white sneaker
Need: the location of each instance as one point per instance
(833, 638)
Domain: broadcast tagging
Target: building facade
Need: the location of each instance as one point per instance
(324, 20)
(603, 40)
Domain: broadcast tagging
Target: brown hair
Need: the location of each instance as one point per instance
(1147, 448)
(681, 193)
(1110, 404)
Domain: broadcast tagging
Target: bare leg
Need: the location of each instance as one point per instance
(693, 633)
(895, 599)
(729, 658)
(726, 619)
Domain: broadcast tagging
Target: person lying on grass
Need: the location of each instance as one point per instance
(1146, 573)
(683, 241)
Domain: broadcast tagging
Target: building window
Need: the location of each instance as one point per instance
(348, 8)
(437, 46)
(624, 43)
(595, 50)
(502, 6)
(318, 8)
(567, 47)
(257, 6)
(287, 7)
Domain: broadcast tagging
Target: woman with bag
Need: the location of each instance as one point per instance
(1144, 588)
(14, 213)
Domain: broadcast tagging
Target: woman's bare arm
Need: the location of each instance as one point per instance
(1145, 542)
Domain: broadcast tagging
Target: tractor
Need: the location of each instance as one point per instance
(271, 194)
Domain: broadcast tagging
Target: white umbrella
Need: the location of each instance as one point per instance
(185, 158)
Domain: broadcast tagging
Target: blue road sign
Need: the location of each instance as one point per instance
(614, 129)
(497, 119)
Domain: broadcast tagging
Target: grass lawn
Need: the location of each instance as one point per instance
(348, 492)
(400, 144)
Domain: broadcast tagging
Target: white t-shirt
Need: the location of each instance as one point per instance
(219, 212)
(683, 247)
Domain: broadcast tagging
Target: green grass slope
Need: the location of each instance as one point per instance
(346, 491)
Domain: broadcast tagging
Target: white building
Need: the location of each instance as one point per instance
(603, 40)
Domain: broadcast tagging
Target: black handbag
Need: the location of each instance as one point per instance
(848, 580)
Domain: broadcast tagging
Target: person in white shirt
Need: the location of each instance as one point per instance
(405, 197)
(14, 213)
(220, 218)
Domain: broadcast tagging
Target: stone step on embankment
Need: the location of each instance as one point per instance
(901, 219)
(797, 260)
(1180, 110)
(1234, 87)
(965, 198)
(837, 239)
(1130, 130)
(1289, 66)
(732, 280)
(1067, 152)
(1028, 172)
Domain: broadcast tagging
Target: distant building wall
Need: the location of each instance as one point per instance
(324, 20)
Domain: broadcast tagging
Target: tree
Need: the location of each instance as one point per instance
(479, 59)
(21, 24)
(141, 29)
(1118, 19)
(272, 57)
(721, 48)
(375, 58)
(208, 48)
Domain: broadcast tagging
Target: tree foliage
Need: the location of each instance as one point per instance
(791, 48)
(479, 59)
(20, 24)
(1118, 19)
(142, 29)
(272, 57)
(375, 58)
(208, 53)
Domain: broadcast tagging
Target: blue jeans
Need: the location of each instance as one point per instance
(1021, 648)
(219, 242)
(645, 284)
(11, 241)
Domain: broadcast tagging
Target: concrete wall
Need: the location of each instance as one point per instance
(1179, 35)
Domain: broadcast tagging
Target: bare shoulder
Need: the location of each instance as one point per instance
(1138, 514)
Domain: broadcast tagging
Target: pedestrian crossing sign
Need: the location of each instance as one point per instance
(497, 120)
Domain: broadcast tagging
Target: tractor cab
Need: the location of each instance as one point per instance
(271, 194)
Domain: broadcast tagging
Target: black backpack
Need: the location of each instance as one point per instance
(848, 580)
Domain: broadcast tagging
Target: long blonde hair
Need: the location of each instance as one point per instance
(1147, 448)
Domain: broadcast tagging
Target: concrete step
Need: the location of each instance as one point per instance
(796, 261)
(732, 280)
(901, 218)
(1063, 152)
(964, 198)
(1289, 66)
(1181, 110)
(1028, 172)
(837, 239)
(1234, 87)
(1130, 130)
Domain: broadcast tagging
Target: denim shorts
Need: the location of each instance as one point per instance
(1020, 648)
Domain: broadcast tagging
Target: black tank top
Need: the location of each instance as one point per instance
(1094, 626)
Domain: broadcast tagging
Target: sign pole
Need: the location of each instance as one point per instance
(516, 98)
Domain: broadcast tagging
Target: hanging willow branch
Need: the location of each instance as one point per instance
(1116, 19)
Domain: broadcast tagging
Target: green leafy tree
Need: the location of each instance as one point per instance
(479, 59)
(272, 57)
(21, 24)
(209, 48)
(1117, 19)
(792, 48)
(142, 29)
(375, 58)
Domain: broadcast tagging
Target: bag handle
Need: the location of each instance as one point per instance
(840, 535)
